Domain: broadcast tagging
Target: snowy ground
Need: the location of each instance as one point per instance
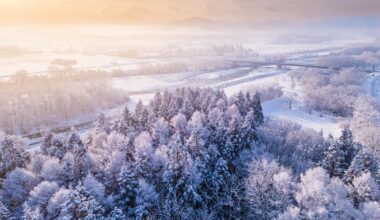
(232, 81)
(143, 88)
(279, 108)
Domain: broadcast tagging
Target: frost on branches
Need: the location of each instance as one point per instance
(190, 154)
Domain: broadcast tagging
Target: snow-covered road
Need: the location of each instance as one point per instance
(372, 86)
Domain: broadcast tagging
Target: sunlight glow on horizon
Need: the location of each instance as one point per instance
(169, 11)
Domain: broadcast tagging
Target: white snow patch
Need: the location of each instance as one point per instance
(282, 80)
(140, 83)
(279, 108)
(145, 98)
(218, 74)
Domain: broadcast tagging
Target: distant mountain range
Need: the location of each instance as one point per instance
(349, 22)
(357, 22)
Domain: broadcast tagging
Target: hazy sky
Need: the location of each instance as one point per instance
(164, 11)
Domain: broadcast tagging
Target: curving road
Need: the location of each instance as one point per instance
(374, 88)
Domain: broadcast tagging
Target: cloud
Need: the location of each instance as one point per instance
(164, 11)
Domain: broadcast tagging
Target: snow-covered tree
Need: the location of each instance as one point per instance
(179, 123)
(160, 132)
(80, 205)
(257, 109)
(37, 162)
(248, 129)
(53, 170)
(4, 212)
(365, 189)
(183, 156)
(81, 160)
(46, 142)
(198, 134)
(292, 213)
(146, 201)
(319, 197)
(31, 214)
(12, 154)
(117, 214)
(94, 187)
(55, 203)
(364, 124)
(102, 125)
(339, 155)
(57, 148)
(41, 194)
(269, 189)
(363, 162)
(17, 185)
(371, 210)
(221, 175)
(128, 185)
(181, 196)
(65, 168)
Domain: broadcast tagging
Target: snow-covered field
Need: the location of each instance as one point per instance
(231, 80)
(39, 63)
(279, 108)
(142, 83)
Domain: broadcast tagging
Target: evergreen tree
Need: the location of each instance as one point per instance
(79, 151)
(117, 214)
(31, 214)
(4, 212)
(365, 189)
(339, 155)
(126, 123)
(127, 116)
(334, 160)
(234, 140)
(12, 155)
(52, 145)
(103, 125)
(146, 200)
(74, 141)
(257, 109)
(80, 205)
(188, 105)
(160, 132)
(241, 103)
(363, 162)
(220, 175)
(128, 185)
(46, 143)
(248, 131)
(139, 108)
(57, 148)
(156, 103)
(349, 145)
(16, 187)
(198, 134)
(181, 190)
(165, 103)
(175, 106)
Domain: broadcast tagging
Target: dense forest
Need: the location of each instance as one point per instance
(31, 102)
(191, 154)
